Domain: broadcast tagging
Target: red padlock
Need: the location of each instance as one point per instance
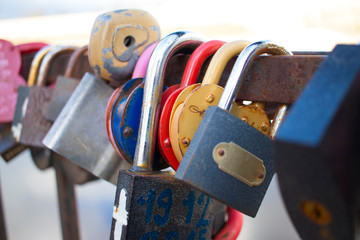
(190, 76)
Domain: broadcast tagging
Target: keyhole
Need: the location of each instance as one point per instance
(129, 41)
(316, 212)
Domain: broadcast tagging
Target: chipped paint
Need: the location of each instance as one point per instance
(117, 73)
(120, 11)
(106, 50)
(111, 30)
(104, 18)
(120, 215)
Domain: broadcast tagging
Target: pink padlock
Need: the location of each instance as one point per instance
(10, 79)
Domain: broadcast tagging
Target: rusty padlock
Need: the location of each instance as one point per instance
(77, 66)
(34, 125)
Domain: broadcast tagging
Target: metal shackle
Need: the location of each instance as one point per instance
(154, 81)
(47, 60)
(237, 76)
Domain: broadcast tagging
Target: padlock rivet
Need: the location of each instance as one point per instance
(264, 126)
(261, 175)
(127, 132)
(185, 141)
(210, 98)
(167, 142)
(244, 119)
(220, 152)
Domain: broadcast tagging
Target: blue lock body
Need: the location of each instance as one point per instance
(228, 159)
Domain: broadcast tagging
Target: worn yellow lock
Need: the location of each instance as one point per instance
(189, 109)
(117, 40)
(254, 114)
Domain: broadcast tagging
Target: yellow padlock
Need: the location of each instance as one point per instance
(189, 109)
(117, 40)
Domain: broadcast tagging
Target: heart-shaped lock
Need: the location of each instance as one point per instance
(190, 76)
(188, 109)
(10, 79)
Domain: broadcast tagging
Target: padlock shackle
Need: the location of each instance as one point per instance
(242, 65)
(35, 64)
(220, 59)
(154, 82)
(142, 63)
(47, 60)
(26, 48)
(74, 58)
(197, 59)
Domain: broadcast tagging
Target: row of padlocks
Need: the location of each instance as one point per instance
(190, 130)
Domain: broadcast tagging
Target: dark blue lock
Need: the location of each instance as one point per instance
(228, 159)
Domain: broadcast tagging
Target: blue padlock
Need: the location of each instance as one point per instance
(126, 115)
(228, 159)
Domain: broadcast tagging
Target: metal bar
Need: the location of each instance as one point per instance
(279, 78)
(67, 203)
(3, 235)
(270, 78)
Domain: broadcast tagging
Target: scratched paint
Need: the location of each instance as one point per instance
(104, 18)
(120, 215)
(106, 50)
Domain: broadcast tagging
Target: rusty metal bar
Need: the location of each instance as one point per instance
(279, 78)
(67, 201)
(270, 79)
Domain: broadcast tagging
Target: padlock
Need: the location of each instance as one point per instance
(119, 98)
(28, 52)
(254, 114)
(228, 159)
(190, 76)
(73, 133)
(151, 204)
(114, 38)
(34, 123)
(117, 40)
(128, 121)
(10, 80)
(77, 66)
(23, 96)
(317, 150)
(187, 114)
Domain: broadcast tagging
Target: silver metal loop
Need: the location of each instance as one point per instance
(242, 65)
(154, 81)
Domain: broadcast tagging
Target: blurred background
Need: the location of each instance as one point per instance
(29, 195)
